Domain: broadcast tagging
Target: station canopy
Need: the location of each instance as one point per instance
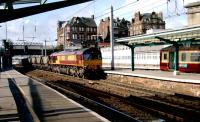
(26, 1)
(186, 35)
(8, 4)
(14, 9)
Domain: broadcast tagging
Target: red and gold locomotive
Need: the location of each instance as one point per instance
(189, 58)
(80, 62)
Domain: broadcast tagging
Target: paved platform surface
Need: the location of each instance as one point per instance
(160, 75)
(48, 104)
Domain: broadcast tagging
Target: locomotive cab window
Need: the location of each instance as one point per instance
(92, 56)
(86, 56)
(195, 57)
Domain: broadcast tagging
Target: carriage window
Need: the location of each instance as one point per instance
(195, 57)
(183, 57)
(165, 56)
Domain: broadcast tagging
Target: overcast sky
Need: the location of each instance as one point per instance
(46, 23)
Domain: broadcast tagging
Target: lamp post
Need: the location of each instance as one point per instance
(0, 57)
(6, 32)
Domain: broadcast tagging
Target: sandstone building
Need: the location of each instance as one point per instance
(143, 22)
(77, 32)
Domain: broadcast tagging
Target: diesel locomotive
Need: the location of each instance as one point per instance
(81, 62)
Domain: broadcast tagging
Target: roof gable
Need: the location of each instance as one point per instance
(82, 21)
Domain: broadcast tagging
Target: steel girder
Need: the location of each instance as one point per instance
(11, 14)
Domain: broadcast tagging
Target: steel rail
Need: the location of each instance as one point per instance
(120, 114)
(179, 116)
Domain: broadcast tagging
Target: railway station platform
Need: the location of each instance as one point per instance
(43, 103)
(158, 75)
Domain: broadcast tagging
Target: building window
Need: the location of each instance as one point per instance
(183, 57)
(154, 21)
(67, 35)
(82, 36)
(75, 28)
(68, 29)
(95, 29)
(94, 38)
(80, 29)
(91, 29)
(74, 36)
(195, 57)
(88, 29)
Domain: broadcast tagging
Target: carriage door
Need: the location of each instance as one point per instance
(171, 60)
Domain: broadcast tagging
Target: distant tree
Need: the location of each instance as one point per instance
(59, 48)
(8, 45)
(8, 52)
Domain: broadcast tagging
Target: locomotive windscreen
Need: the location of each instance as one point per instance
(92, 54)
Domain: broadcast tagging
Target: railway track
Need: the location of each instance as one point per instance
(169, 105)
(116, 115)
(166, 96)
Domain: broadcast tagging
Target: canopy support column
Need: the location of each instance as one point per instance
(176, 59)
(176, 52)
(132, 58)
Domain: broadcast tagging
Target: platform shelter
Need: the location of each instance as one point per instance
(176, 37)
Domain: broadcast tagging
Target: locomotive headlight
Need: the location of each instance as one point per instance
(85, 67)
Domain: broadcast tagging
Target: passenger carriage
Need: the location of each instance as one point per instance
(189, 58)
(144, 57)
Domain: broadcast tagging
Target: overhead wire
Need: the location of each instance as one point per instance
(169, 13)
(80, 10)
(174, 14)
(119, 9)
(116, 9)
(157, 6)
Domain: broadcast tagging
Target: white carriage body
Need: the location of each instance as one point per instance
(146, 57)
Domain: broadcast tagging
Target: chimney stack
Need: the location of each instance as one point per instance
(92, 16)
